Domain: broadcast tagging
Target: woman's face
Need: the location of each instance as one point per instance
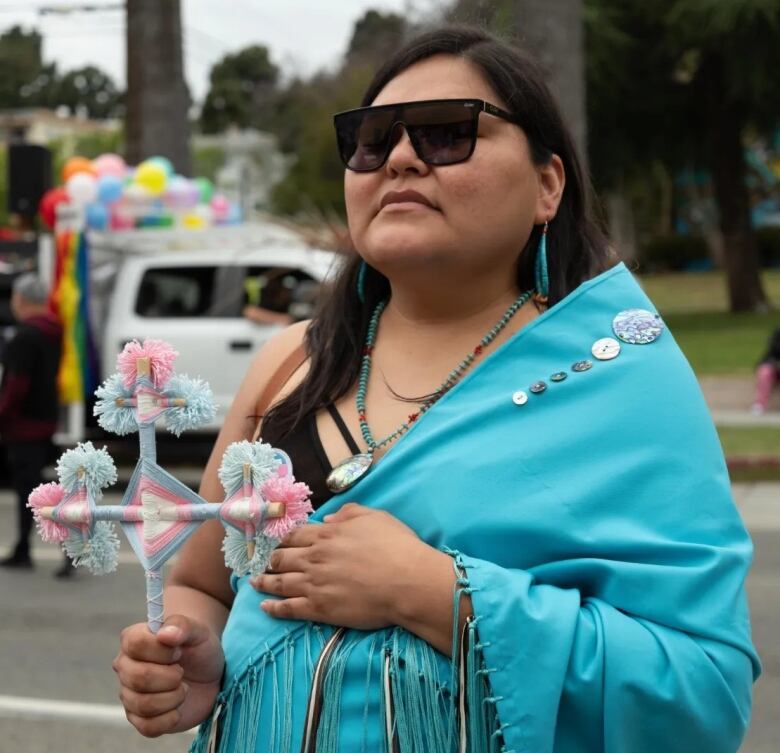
(483, 210)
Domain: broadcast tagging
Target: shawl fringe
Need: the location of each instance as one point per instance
(423, 711)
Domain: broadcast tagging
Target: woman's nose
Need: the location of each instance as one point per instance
(402, 155)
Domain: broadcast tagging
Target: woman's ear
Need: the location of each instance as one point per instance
(552, 179)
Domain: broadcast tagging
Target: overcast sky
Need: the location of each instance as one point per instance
(302, 35)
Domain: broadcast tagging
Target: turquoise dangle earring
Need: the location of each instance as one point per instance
(361, 282)
(542, 278)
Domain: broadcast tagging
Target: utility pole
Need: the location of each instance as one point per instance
(158, 100)
(555, 33)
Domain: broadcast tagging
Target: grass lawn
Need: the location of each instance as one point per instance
(749, 440)
(695, 307)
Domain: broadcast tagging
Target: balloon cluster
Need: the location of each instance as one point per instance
(115, 196)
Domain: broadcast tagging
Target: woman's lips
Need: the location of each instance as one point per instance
(404, 201)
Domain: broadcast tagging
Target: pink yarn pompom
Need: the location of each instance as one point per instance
(47, 495)
(295, 496)
(160, 354)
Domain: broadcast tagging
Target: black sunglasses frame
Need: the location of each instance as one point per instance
(473, 106)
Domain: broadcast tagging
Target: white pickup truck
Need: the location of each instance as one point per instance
(192, 289)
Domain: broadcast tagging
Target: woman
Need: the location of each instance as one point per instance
(528, 512)
(767, 374)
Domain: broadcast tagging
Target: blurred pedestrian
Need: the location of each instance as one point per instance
(29, 406)
(767, 374)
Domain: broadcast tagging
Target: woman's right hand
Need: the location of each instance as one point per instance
(169, 681)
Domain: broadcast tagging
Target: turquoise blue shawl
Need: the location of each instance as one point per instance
(593, 528)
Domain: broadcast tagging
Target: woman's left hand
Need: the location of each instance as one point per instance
(353, 570)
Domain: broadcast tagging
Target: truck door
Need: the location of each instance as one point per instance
(197, 309)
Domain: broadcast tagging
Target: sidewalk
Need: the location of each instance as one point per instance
(730, 398)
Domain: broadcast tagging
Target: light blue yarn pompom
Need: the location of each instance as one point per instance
(99, 553)
(261, 456)
(234, 547)
(200, 408)
(112, 417)
(98, 466)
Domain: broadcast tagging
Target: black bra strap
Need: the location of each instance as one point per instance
(342, 427)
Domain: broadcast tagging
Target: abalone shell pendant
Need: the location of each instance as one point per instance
(348, 472)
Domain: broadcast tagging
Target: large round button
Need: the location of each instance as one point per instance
(606, 349)
(638, 326)
(520, 398)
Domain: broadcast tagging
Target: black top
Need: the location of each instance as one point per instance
(772, 355)
(29, 403)
(303, 445)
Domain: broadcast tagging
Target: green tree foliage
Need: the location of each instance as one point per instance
(375, 36)
(245, 91)
(315, 183)
(24, 74)
(684, 81)
(303, 119)
(27, 81)
(242, 86)
(87, 90)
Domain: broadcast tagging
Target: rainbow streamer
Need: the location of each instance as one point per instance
(78, 374)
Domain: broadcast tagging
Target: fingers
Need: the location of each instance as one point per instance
(155, 726)
(303, 536)
(282, 584)
(147, 677)
(140, 644)
(178, 630)
(290, 560)
(299, 608)
(149, 705)
(346, 512)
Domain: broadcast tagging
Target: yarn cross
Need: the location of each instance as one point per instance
(158, 513)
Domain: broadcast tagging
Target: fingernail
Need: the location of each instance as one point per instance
(186, 688)
(326, 518)
(176, 655)
(171, 631)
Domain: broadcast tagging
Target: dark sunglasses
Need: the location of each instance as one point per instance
(442, 131)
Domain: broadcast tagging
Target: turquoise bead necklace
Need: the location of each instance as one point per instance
(350, 471)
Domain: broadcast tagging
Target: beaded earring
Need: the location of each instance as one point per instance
(361, 282)
(542, 278)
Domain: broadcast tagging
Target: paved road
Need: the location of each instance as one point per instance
(57, 639)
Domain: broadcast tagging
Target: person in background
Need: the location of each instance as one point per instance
(29, 405)
(282, 299)
(767, 374)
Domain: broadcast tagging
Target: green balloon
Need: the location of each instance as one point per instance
(164, 163)
(206, 188)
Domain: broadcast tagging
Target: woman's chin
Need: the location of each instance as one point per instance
(402, 256)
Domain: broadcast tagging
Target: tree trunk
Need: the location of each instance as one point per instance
(158, 101)
(622, 229)
(729, 173)
(555, 33)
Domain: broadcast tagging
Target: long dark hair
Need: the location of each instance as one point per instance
(576, 247)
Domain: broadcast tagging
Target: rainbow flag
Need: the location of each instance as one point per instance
(78, 374)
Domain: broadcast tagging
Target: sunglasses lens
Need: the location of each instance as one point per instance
(444, 143)
(363, 138)
(442, 133)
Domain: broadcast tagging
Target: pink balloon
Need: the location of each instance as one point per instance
(220, 206)
(110, 164)
(121, 218)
